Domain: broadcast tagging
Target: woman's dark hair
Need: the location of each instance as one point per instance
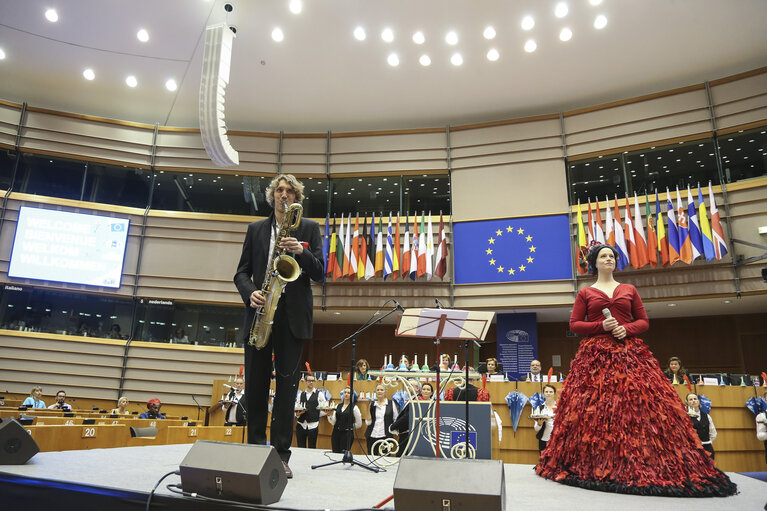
(594, 253)
(430, 386)
(681, 371)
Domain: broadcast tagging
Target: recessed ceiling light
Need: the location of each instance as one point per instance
(530, 46)
(489, 33)
(672, 305)
(493, 55)
(142, 35)
(566, 34)
(451, 38)
(51, 15)
(171, 84)
(359, 34)
(295, 6)
(560, 11)
(131, 81)
(88, 74)
(595, 2)
(418, 38)
(277, 34)
(393, 60)
(528, 23)
(2, 54)
(387, 35)
(425, 60)
(600, 22)
(456, 59)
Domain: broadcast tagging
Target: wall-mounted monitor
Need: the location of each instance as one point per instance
(69, 247)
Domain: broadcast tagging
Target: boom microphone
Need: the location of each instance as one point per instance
(400, 307)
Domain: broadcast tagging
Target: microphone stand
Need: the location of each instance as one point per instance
(348, 457)
(466, 394)
(198, 407)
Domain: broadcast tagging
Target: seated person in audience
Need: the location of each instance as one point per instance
(475, 394)
(61, 404)
(34, 400)
(675, 372)
(345, 419)
(383, 412)
(543, 427)
(153, 410)
(401, 425)
(122, 407)
(761, 429)
(179, 337)
(535, 371)
(361, 371)
(444, 363)
(701, 422)
(308, 415)
(234, 405)
(492, 366)
(115, 332)
(427, 392)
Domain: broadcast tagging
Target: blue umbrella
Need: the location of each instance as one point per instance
(537, 400)
(757, 405)
(400, 397)
(516, 401)
(328, 395)
(705, 403)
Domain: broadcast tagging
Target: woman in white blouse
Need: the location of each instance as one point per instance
(545, 423)
(701, 422)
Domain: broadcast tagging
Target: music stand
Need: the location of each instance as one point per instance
(448, 324)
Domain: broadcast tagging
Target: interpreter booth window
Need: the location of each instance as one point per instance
(188, 323)
(365, 195)
(120, 185)
(315, 196)
(203, 193)
(426, 193)
(596, 178)
(51, 177)
(59, 312)
(682, 164)
(7, 159)
(744, 154)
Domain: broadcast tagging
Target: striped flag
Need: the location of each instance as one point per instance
(362, 257)
(583, 244)
(620, 240)
(705, 228)
(414, 250)
(422, 247)
(696, 239)
(639, 236)
(652, 236)
(609, 234)
(406, 250)
(370, 271)
(683, 224)
(590, 226)
(348, 247)
(326, 242)
(331, 270)
(440, 268)
(429, 251)
(397, 256)
(340, 251)
(355, 249)
(388, 252)
(720, 246)
(628, 229)
(379, 266)
(662, 239)
(599, 234)
(673, 231)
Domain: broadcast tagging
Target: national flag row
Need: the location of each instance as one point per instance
(354, 254)
(689, 233)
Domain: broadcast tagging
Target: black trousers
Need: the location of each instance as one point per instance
(341, 441)
(258, 373)
(304, 436)
(402, 439)
(542, 445)
(710, 449)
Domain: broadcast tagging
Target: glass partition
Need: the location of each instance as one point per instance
(188, 323)
(41, 175)
(744, 154)
(7, 159)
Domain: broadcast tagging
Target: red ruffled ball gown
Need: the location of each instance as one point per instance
(620, 426)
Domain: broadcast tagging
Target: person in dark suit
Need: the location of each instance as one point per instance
(292, 320)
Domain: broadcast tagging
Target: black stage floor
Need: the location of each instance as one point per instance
(121, 479)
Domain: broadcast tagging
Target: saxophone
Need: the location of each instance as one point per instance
(284, 269)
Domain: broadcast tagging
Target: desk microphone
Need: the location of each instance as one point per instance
(228, 386)
(439, 304)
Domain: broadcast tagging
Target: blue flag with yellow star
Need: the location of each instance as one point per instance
(513, 249)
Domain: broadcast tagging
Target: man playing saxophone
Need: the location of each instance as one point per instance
(292, 318)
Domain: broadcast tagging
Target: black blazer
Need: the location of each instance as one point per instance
(298, 294)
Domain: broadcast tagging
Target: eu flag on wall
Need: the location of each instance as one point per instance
(513, 249)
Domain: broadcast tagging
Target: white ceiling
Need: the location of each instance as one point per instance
(320, 78)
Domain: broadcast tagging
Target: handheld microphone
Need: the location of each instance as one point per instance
(607, 313)
(400, 307)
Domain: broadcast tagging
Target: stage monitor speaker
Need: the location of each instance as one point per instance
(16, 445)
(240, 472)
(440, 484)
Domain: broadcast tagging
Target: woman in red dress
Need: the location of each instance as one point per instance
(620, 426)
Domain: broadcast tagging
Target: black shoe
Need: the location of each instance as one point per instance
(288, 472)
